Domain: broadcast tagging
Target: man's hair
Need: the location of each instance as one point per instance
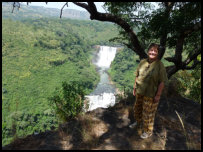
(154, 45)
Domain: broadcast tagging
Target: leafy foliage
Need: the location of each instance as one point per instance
(151, 24)
(190, 89)
(123, 68)
(68, 101)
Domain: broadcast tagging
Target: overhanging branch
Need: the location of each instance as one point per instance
(66, 4)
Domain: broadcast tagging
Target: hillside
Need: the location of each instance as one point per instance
(27, 11)
(107, 129)
(37, 56)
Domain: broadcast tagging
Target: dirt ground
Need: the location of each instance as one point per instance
(108, 129)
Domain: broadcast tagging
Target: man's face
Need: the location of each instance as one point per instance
(153, 53)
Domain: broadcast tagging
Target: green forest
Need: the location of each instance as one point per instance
(37, 56)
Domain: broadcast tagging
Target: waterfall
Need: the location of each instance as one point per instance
(106, 56)
(103, 95)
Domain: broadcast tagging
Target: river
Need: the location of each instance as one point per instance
(104, 94)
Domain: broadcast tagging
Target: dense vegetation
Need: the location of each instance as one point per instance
(68, 101)
(123, 68)
(37, 56)
(189, 83)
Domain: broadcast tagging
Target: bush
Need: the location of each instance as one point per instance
(190, 83)
(68, 100)
(195, 91)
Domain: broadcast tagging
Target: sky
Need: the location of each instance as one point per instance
(59, 5)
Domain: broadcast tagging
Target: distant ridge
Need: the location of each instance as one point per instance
(27, 11)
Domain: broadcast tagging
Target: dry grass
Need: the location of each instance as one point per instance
(189, 142)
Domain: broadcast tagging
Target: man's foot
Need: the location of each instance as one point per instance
(133, 125)
(146, 135)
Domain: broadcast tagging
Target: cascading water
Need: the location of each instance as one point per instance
(103, 95)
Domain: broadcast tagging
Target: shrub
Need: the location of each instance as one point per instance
(68, 100)
(190, 84)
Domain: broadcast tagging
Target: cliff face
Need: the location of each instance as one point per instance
(107, 129)
(27, 11)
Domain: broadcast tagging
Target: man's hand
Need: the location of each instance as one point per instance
(156, 98)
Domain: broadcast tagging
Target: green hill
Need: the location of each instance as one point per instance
(37, 56)
(27, 11)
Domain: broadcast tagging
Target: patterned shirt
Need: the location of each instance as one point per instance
(149, 76)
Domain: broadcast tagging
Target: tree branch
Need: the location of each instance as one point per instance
(92, 6)
(62, 8)
(128, 45)
(170, 59)
(183, 65)
(179, 50)
(192, 57)
(83, 5)
(177, 59)
(192, 29)
(193, 66)
(171, 70)
(179, 45)
(169, 6)
(15, 4)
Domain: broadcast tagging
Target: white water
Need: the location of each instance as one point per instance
(103, 96)
(106, 56)
(104, 100)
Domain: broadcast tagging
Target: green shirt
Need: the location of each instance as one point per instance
(149, 76)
